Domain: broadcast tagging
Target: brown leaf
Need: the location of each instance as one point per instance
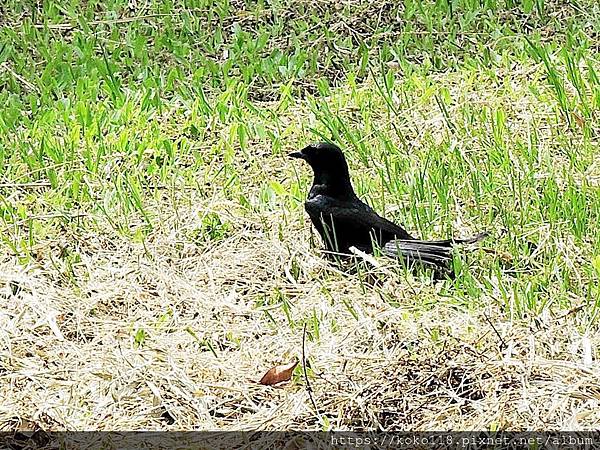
(580, 120)
(278, 374)
(27, 425)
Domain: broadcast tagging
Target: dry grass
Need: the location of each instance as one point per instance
(69, 360)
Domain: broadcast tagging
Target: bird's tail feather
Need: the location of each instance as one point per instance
(432, 253)
(451, 242)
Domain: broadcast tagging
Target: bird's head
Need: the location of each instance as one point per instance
(322, 156)
(329, 166)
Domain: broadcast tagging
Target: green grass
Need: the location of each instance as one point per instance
(109, 112)
(456, 116)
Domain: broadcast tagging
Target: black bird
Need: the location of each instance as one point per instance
(344, 221)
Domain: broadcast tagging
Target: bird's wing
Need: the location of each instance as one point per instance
(354, 211)
(382, 223)
(353, 215)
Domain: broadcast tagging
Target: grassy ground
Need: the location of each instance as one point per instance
(156, 257)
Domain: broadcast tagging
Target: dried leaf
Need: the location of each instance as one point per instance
(580, 120)
(27, 425)
(278, 374)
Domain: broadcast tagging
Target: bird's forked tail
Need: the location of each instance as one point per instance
(432, 253)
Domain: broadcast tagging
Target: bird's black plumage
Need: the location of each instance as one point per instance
(344, 221)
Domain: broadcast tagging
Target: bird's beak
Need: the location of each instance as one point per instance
(297, 155)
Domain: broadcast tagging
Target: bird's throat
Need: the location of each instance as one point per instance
(336, 185)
